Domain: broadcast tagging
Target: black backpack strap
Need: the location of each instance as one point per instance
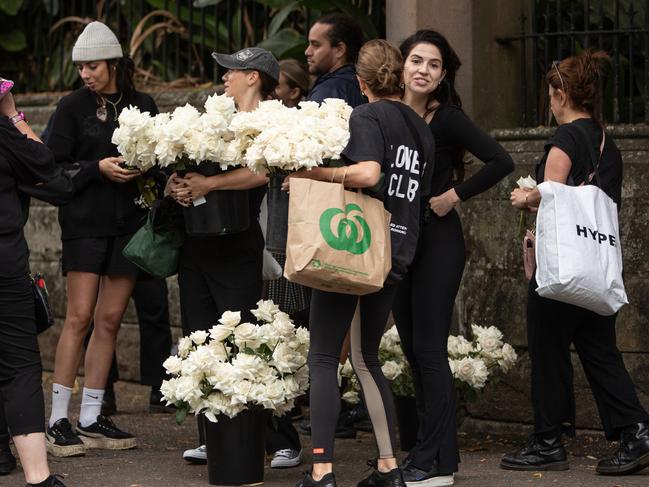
(594, 158)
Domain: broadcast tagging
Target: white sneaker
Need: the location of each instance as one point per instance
(286, 458)
(196, 455)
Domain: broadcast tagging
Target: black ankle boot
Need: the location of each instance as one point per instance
(631, 456)
(393, 478)
(540, 453)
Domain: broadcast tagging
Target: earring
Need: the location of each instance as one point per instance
(402, 86)
(363, 93)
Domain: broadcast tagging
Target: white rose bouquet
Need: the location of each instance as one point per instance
(236, 366)
(473, 362)
(275, 138)
(476, 362)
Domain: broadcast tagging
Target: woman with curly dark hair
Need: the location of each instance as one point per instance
(424, 303)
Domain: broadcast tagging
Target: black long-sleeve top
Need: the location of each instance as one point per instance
(23, 162)
(79, 140)
(454, 131)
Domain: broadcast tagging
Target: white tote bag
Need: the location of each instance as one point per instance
(578, 253)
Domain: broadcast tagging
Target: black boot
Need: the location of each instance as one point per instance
(631, 456)
(7, 459)
(540, 453)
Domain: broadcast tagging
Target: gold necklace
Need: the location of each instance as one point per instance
(102, 113)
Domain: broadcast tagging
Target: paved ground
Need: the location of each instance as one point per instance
(157, 462)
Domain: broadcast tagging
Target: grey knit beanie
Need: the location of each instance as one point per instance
(97, 42)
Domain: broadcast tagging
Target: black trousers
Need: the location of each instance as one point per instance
(218, 274)
(282, 435)
(152, 309)
(552, 327)
(422, 310)
(331, 316)
(20, 360)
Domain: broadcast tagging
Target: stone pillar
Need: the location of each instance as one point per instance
(488, 81)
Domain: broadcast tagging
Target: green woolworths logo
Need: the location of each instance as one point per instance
(348, 230)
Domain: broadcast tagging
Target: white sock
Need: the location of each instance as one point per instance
(90, 406)
(60, 401)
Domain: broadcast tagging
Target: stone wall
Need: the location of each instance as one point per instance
(493, 288)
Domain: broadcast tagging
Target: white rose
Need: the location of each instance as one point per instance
(199, 337)
(472, 371)
(184, 346)
(509, 357)
(173, 364)
(464, 346)
(283, 324)
(188, 389)
(246, 334)
(526, 183)
(220, 332)
(168, 390)
(230, 319)
(287, 360)
(247, 366)
(391, 370)
(347, 370)
(265, 311)
(351, 397)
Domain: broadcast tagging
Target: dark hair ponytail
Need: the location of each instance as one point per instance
(124, 72)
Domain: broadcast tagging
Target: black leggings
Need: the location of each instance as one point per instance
(422, 310)
(552, 327)
(331, 316)
(20, 360)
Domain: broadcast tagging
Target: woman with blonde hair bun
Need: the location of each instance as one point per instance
(382, 132)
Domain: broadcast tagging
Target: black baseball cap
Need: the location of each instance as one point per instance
(250, 58)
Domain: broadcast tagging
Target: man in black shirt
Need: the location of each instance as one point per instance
(334, 42)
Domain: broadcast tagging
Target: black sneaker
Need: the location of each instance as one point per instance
(416, 477)
(7, 459)
(104, 434)
(392, 478)
(156, 405)
(51, 481)
(327, 481)
(539, 454)
(631, 456)
(109, 402)
(62, 441)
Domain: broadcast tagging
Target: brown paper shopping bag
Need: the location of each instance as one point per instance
(338, 240)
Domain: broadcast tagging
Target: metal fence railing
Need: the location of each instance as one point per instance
(169, 40)
(555, 29)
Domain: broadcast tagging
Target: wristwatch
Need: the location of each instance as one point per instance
(18, 117)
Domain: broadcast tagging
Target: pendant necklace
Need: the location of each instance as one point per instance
(102, 112)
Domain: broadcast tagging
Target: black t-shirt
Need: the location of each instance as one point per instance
(379, 132)
(79, 140)
(22, 162)
(454, 132)
(570, 139)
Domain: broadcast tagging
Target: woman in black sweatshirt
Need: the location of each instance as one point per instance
(424, 303)
(95, 227)
(24, 162)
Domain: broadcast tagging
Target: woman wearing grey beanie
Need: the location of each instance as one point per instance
(95, 227)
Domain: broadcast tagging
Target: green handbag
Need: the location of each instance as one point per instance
(155, 248)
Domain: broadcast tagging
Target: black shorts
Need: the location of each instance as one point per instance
(98, 255)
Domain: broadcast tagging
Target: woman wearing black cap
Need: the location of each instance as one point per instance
(223, 272)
